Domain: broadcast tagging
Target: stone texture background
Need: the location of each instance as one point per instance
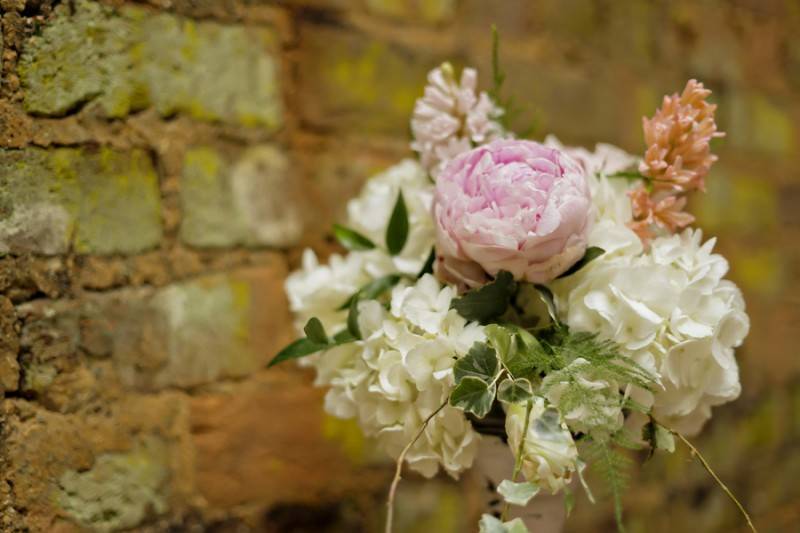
(163, 162)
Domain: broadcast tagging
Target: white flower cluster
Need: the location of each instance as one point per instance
(402, 371)
(452, 117)
(667, 307)
(318, 290)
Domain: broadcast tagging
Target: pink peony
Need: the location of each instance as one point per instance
(510, 205)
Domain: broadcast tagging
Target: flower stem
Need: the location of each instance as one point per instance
(399, 468)
(696, 453)
(520, 451)
(630, 176)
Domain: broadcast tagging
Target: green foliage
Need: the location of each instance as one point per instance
(351, 239)
(397, 230)
(488, 302)
(315, 331)
(490, 524)
(372, 290)
(316, 340)
(592, 253)
(297, 349)
(427, 268)
(473, 395)
(514, 390)
(613, 467)
(659, 437)
(480, 362)
(549, 300)
(517, 493)
(510, 109)
(352, 319)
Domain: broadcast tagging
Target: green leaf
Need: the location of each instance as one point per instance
(373, 289)
(397, 230)
(569, 501)
(352, 319)
(526, 357)
(480, 362)
(315, 331)
(517, 493)
(473, 395)
(514, 390)
(549, 300)
(500, 338)
(487, 302)
(351, 239)
(490, 524)
(659, 437)
(592, 253)
(297, 349)
(343, 337)
(427, 268)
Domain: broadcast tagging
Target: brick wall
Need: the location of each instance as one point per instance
(163, 162)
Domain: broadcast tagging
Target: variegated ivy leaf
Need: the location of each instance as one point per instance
(659, 437)
(489, 301)
(480, 362)
(517, 493)
(473, 395)
(515, 390)
(490, 524)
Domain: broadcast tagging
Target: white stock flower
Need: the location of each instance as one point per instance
(610, 203)
(673, 313)
(401, 372)
(452, 117)
(549, 455)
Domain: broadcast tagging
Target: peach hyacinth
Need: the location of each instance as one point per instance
(677, 160)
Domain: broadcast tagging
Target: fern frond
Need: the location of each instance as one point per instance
(613, 467)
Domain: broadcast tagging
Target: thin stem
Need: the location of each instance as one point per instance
(520, 451)
(399, 468)
(629, 176)
(696, 453)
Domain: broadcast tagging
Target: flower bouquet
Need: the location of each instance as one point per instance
(550, 298)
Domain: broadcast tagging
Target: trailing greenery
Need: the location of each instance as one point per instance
(613, 467)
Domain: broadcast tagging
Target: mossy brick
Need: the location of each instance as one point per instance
(427, 11)
(194, 333)
(245, 201)
(350, 81)
(102, 201)
(120, 490)
(128, 59)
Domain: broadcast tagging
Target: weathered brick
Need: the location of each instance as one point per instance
(427, 11)
(186, 334)
(244, 462)
(250, 201)
(127, 59)
(90, 200)
(352, 82)
(9, 347)
(102, 469)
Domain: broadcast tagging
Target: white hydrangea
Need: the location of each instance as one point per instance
(402, 372)
(370, 211)
(319, 290)
(671, 310)
(549, 455)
